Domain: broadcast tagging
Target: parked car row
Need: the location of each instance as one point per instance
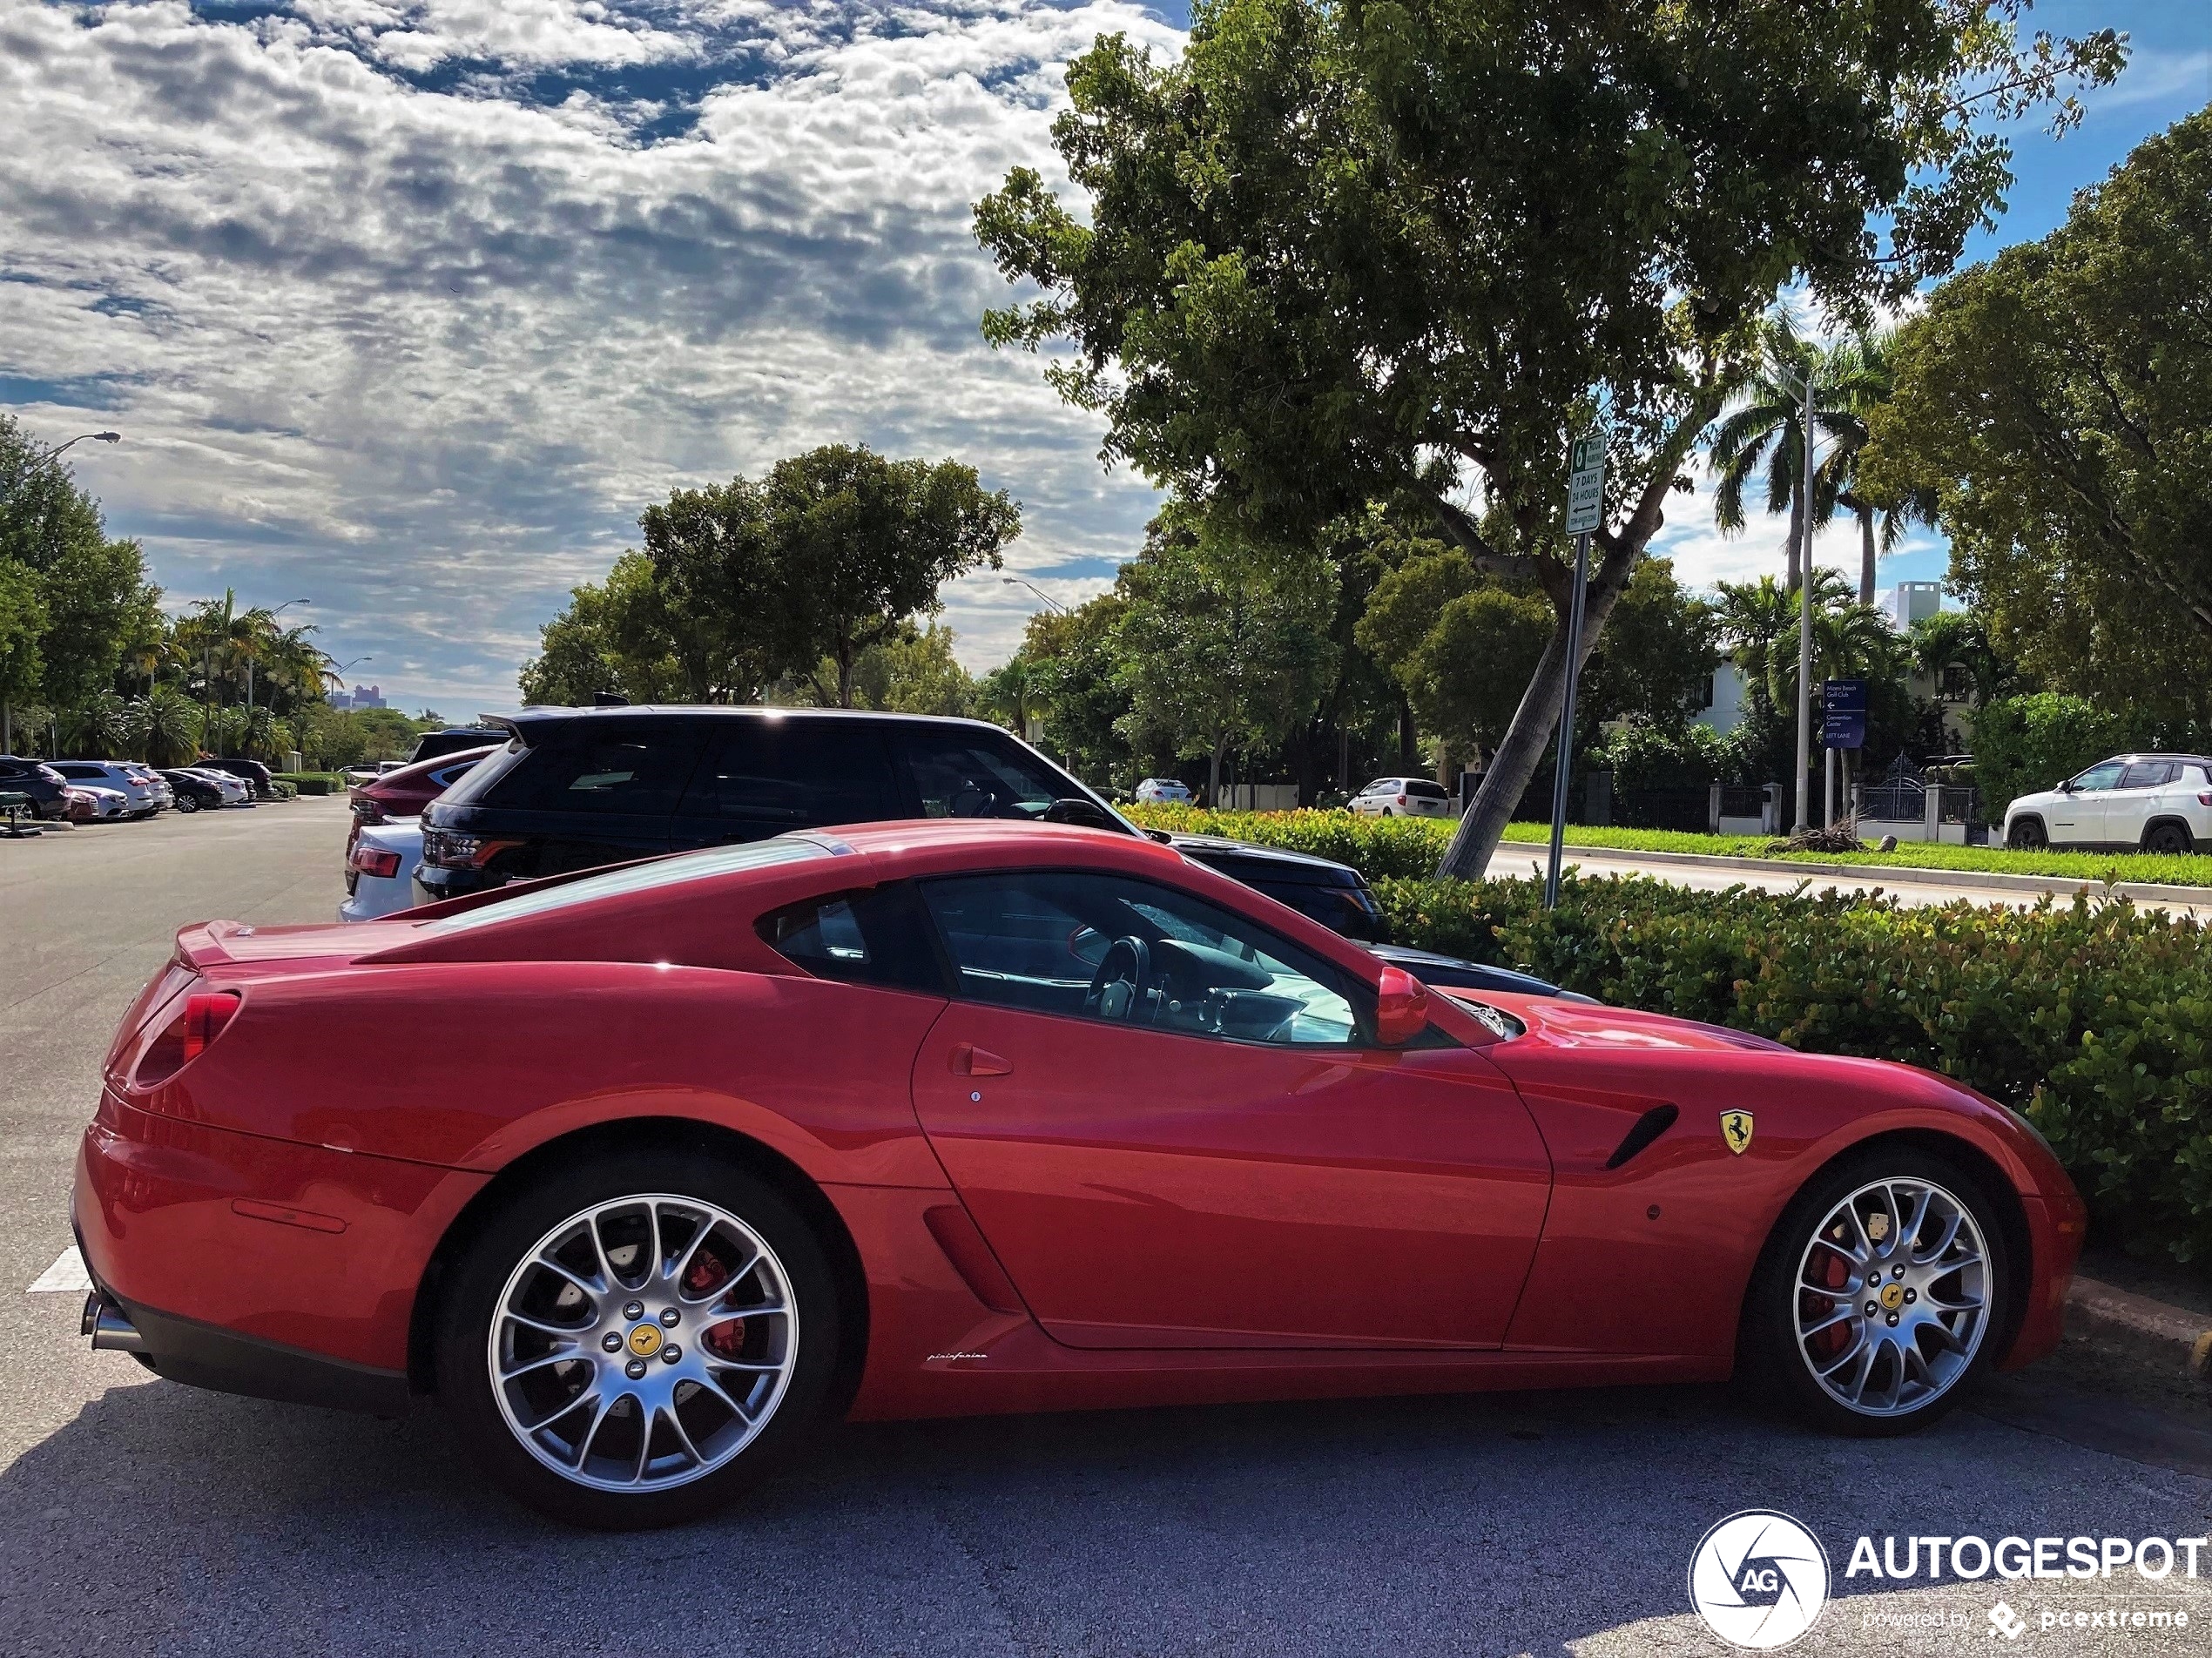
(122, 791)
(570, 789)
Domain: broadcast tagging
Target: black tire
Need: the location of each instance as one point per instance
(1772, 1357)
(1386, 812)
(465, 1391)
(2028, 834)
(187, 803)
(2168, 838)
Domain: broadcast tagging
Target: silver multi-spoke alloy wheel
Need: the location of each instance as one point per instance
(642, 1343)
(1892, 1296)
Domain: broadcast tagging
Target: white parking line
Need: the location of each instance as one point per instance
(66, 1273)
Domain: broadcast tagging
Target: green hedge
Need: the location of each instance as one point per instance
(2095, 1020)
(312, 782)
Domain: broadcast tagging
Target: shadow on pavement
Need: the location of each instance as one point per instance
(162, 1518)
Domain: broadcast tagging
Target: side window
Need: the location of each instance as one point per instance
(773, 775)
(635, 771)
(1128, 952)
(962, 777)
(2106, 776)
(875, 936)
(2148, 774)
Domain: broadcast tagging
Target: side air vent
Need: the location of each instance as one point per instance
(1649, 1127)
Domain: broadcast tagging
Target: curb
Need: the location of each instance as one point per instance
(1904, 875)
(2151, 1330)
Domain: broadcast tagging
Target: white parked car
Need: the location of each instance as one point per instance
(380, 870)
(123, 776)
(1162, 792)
(237, 792)
(94, 803)
(2134, 803)
(1401, 797)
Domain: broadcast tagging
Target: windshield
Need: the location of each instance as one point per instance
(634, 878)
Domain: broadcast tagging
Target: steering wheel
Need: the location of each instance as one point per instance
(1124, 973)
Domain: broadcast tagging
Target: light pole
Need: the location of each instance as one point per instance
(1020, 580)
(96, 437)
(1805, 607)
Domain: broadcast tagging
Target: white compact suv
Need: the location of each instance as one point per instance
(1402, 797)
(127, 779)
(2134, 803)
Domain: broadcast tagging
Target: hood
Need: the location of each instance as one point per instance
(1569, 1024)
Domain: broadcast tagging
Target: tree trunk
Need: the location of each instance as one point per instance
(1521, 749)
(1213, 776)
(1865, 556)
(1408, 738)
(845, 673)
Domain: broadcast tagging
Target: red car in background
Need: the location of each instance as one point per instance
(909, 1119)
(403, 792)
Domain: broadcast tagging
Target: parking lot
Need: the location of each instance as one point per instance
(138, 1515)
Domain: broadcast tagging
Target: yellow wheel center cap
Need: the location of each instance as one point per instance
(645, 1340)
(1892, 1298)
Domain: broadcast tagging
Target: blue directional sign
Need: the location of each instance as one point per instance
(1843, 705)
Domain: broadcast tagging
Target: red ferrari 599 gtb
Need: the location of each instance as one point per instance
(935, 1118)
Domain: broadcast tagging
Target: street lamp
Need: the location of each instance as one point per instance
(1020, 580)
(1802, 385)
(96, 437)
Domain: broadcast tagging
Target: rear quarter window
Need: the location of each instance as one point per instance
(632, 771)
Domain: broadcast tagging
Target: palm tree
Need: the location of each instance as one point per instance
(1862, 378)
(1761, 434)
(100, 730)
(168, 726)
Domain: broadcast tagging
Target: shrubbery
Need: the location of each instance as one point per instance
(2026, 743)
(2093, 1018)
(312, 782)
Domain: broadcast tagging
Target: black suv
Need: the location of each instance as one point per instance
(573, 788)
(43, 784)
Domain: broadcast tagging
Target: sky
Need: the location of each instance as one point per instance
(409, 307)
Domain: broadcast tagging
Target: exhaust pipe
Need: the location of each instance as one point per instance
(112, 1332)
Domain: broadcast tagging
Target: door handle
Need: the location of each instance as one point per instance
(968, 1060)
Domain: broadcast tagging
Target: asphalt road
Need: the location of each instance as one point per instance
(139, 1516)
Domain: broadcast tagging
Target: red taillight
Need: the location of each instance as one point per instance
(2204, 800)
(184, 1038)
(375, 861)
(1401, 799)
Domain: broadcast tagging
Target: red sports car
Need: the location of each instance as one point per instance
(935, 1118)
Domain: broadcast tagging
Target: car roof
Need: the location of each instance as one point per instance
(535, 722)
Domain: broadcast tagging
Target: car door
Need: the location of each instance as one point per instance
(2128, 807)
(765, 775)
(2079, 814)
(1175, 1130)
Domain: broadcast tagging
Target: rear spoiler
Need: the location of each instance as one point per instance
(199, 947)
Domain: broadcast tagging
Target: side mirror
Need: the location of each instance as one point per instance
(1401, 1008)
(2067, 786)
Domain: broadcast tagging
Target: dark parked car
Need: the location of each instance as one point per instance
(433, 746)
(192, 792)
(252, 771)
(573, 788)
(38, 780)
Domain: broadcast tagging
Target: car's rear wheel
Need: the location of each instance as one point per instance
(2168, 838)
(2027, 835)
(631, 1341)
(1879, 1298)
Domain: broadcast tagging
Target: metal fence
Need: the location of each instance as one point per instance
(1687, 809)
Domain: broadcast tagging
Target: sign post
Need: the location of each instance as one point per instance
(1842, 724)
(1585, 500)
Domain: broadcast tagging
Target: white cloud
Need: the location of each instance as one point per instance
(412, 307)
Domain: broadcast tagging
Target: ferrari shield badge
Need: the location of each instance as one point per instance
(1735, 1129)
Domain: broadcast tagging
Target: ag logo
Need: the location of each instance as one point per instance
(1735, 1129)
(1759, 1580)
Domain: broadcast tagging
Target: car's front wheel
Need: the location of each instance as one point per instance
(2028, 834)
(632, 1340)
(1881, 1296)
(187, 803)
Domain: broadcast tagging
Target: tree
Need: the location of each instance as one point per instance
(68, 592)
(1657, 655)
(861, 543)
(2058, 403)
(612, 637)
(1863, 376)
(1957, 639)
(913, 672)
(167, 724)
(1458, 643)
(1074, 666)
(716, 609)
(1224, 645)
(1761, 436)
(1338, 253)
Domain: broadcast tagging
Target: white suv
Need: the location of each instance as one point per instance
(2134, 803)
(1402, 797)
(124, 777)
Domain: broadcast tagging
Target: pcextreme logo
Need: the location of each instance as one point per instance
(1759, 1580)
